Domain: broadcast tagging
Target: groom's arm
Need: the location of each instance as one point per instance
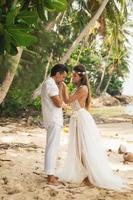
(57, 101)
(55, 94)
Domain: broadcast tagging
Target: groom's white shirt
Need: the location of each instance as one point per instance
(51, 113)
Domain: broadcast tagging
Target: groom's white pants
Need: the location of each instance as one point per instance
(52, 146)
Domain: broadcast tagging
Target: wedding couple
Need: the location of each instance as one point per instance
(86, 161)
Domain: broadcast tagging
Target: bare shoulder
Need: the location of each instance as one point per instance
(83, 88)
(82, 91)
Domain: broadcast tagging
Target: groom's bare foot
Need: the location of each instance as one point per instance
(53, 180)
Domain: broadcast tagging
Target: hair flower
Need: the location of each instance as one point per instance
(82, 73)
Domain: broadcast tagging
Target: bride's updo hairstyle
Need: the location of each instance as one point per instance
(81, 71)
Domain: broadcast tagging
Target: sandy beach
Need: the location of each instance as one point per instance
(22, 156)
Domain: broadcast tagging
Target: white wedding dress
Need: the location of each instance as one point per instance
(86, 156)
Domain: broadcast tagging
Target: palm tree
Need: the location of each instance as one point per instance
(114, 42)
(15, 31)
(13, 61)
(84, 32)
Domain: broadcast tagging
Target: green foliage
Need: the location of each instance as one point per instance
(19, 18)
(37, 104)
(15, 28)
(55, 5)
(27, 17)
(14, 103)
(21, 26)
(21, 38)
(92, 61)
(19, 97)
(115, 86)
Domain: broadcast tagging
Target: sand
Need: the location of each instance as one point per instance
(22, 156)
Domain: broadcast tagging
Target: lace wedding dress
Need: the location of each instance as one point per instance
(86, 155)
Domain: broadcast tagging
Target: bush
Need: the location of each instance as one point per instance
(115, 86)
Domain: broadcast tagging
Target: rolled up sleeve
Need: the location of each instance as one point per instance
(52, 90)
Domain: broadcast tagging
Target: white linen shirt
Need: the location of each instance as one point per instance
(51, 113)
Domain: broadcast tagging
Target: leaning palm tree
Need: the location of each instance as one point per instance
(16, 24)
(83, 35)
(84, 32)
(13, 62)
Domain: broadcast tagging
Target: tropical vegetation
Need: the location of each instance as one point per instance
(36, 34)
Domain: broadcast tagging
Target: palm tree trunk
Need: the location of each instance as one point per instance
(37, 91)
(84, 32)
(48, 64)
(50, 26)
(82, 47)
(14, 61)
(101, 80)
(103, 72)
(105, 89)
(80, 52)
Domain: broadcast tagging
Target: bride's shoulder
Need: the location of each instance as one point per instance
(83, 87)
(83, 90)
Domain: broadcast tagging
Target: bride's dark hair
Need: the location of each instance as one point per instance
(80, 69)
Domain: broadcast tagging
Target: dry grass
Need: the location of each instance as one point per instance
(106, 112)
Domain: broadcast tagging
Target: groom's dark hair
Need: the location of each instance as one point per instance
(59, 68)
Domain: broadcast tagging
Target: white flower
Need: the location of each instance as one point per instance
(82, 73)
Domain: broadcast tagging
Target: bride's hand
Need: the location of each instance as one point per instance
(62, 86)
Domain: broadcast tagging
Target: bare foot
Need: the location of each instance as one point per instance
(86, 182)
(56, 177)
(53, 180)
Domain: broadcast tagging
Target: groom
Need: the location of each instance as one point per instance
(51, 99)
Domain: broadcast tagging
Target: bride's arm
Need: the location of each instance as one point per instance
(76, 96)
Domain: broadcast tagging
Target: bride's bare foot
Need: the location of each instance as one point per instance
(53, 180)
(86, 182)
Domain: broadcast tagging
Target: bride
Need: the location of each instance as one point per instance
(87, 161)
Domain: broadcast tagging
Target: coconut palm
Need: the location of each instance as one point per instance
(18, 18)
